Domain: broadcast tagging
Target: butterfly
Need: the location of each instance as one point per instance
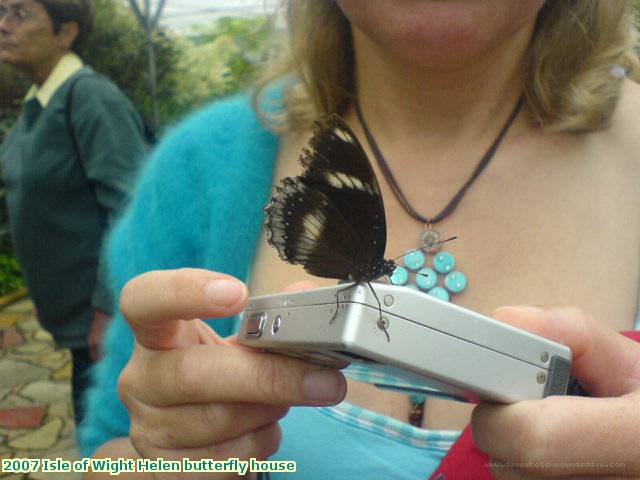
(331, 218)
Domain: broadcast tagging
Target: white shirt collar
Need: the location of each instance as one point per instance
(69, 64)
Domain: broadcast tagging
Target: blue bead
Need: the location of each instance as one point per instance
(414, 260)
(444, 262)
(412, 287)
(426, 278)
(400, 276)
(440, 293)
(455, 281)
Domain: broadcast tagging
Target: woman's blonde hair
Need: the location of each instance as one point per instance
(580, 53)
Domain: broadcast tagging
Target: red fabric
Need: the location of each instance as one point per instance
(634, 335)
(465, 461)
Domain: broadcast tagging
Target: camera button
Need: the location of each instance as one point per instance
(255, 325)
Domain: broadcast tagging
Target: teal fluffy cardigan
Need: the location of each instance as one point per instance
(198, 204)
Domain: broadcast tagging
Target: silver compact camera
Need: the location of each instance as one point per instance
(409, 341)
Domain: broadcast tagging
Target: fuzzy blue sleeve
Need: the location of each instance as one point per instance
(198, 203)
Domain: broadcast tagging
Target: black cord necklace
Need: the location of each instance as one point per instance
(450, 207)
(443, 262)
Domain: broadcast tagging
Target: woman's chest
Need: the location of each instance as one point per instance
(529, 232)
(539, 244)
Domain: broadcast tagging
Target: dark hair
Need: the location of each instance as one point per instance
(77, 11)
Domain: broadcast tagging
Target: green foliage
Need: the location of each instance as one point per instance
(250, 34)
(118, 49)
(10, 278)
(13, 87)
(220, 59)
(212, 61)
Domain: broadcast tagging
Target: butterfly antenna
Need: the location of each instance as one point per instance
(405, 253)
(383, 323)
(420, 248)
(447, 240)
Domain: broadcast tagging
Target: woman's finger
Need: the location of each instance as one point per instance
(259, 444)
(195, 425)
(205, 374)
(563, 435)
(507, 471)
(155, 302)
(606, 363)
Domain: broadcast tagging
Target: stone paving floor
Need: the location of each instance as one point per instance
(36, 413)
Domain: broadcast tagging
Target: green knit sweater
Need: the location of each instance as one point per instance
(60, 203)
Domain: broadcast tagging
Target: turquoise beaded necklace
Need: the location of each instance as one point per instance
(441, 279)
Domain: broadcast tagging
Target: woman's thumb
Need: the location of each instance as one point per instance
(606, 363)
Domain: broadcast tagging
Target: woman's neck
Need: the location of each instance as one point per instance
(402, 100)
(40, 73)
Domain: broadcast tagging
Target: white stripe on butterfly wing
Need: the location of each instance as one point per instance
(314, 222)
(341, 180)
(345, 135)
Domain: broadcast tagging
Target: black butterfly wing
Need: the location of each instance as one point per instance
(336, 165)
(306, 228)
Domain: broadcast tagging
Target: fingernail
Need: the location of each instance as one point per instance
(324, 386)
(523, 308)
(225, 293)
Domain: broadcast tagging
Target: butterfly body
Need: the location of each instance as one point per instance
(377, 270)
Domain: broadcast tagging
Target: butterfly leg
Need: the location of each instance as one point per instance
(381, 321)
(337, 304)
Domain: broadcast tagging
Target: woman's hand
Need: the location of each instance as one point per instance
(569, 437)
(191, 393)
